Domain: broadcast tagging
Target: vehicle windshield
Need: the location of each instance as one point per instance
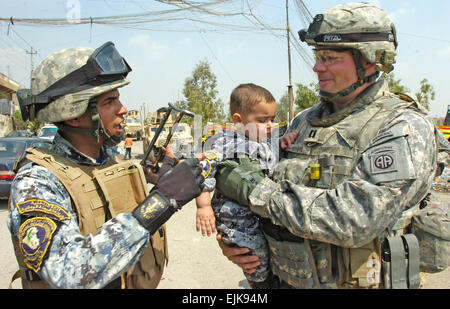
(11, 148)
(179, 129)
(48, 132)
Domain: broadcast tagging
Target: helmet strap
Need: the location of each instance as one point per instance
(360, 71)
(99, 129)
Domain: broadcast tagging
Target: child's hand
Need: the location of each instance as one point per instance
(288, 139)
(168, 152)
(206, 221)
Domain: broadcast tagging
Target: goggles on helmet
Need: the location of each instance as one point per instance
(312, 37)
(105, 65)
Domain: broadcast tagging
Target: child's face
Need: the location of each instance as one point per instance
(258, 123)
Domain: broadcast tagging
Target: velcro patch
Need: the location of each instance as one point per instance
(35, 236)
(33, 206)
(210, 155)
(383, 162)
(153, 207)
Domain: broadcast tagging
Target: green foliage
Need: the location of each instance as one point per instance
(21, 125)
(201, 94)
(282, 108)
(394, 85)
(426, 93)
(306, 96)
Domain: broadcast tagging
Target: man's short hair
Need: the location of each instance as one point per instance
(245, 96)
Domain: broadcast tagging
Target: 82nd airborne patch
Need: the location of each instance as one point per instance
(383, 162)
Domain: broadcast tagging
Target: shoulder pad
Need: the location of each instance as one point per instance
(406, 97)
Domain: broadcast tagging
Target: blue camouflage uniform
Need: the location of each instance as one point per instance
(236, 223)
(72, 260)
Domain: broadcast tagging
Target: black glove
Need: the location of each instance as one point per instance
(183, 182)
(175, 188)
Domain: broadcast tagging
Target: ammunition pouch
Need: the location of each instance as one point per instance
(431, 225)
(400, 260)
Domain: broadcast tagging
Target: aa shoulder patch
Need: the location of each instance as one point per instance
(35, 236)
(384, 161)
(38, 206)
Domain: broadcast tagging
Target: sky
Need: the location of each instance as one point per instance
(164, 53)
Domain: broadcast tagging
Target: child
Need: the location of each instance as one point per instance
(253, 110)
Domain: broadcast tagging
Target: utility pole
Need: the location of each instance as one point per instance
(290, 91)
(31, 53)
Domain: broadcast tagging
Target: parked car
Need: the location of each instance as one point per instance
(48, 132)
(11, 150)
(17, 133)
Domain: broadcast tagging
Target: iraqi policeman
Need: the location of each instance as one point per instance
(78, 218)
(337, 211)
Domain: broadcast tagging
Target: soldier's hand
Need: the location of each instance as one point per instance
(238, 256)
(183, 182)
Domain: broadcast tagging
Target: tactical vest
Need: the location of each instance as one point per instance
(100, 193)
(323, 156)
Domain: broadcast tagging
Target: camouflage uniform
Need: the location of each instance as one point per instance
(353, 176)
(237, 224)
(74, 260)
(80, 222)
(363, 201)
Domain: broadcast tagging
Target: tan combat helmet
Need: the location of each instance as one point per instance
(67, 82)
(360, 27)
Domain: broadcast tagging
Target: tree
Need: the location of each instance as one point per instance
(306, 96)
(426, 94)
(201, 94)
(394, 85)
(282, 108)
(20, 124)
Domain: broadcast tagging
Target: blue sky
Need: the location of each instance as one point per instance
(163, 54)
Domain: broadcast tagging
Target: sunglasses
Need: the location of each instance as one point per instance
(329, 56)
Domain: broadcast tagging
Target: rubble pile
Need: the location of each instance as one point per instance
(442, 182)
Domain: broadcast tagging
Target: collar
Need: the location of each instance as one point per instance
(323, 117)
(64, 148)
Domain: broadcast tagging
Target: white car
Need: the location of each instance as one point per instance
(48, 132)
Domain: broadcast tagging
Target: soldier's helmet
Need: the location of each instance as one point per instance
(359, 26)
(64, 82)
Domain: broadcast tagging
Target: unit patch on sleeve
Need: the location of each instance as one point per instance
(35, 236)
(38, 206)
(383, 162)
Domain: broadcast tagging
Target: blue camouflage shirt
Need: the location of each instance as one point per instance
(69, 259)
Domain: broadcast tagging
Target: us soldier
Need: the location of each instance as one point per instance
(363, 160)
(79, 219)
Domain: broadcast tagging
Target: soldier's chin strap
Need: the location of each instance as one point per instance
(97, 129)
(362, 79)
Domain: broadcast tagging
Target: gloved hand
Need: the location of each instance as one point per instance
(175, 188)
(183, 182)
(236, 181)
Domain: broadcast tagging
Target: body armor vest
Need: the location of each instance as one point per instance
(323, 156)
(99, 193)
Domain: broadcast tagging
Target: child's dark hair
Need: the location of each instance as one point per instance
(245, 96)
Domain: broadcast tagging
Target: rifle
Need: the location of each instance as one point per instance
(180, 113)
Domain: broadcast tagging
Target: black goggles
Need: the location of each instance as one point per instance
(311, 36)
(105, 65)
